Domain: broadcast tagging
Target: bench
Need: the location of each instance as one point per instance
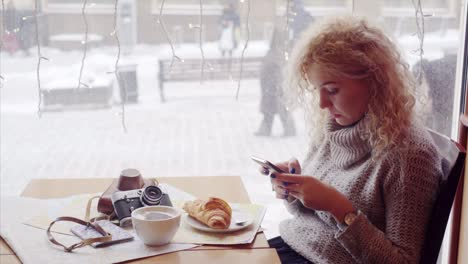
(64, 93)
(215, 69)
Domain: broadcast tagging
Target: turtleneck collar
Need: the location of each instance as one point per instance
(348, 144)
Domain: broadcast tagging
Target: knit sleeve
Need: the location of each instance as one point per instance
(294, 206)
(409, 190)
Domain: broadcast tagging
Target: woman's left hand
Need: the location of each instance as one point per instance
(313, 194)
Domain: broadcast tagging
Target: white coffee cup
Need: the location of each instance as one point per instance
(156, 225)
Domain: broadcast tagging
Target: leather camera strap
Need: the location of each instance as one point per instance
(88, 212)
(89, 223)
(105, 236)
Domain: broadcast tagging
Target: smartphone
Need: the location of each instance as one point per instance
(267, 164)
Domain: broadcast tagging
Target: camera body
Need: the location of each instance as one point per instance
(125, 202)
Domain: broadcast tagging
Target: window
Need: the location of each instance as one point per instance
(205, 120)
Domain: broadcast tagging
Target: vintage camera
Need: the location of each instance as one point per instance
(126, 201)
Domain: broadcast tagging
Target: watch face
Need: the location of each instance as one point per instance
(349, 218)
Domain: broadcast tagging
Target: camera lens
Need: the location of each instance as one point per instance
(151, 196)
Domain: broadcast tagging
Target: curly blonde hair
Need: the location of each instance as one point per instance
(349, 47)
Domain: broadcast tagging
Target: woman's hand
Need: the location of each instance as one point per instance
(313, 194)
(291, 166)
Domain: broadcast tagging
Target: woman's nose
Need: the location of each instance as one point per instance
(324, 100)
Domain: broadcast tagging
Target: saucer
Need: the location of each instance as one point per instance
(237, 216)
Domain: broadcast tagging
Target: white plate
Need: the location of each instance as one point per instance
(246, 218)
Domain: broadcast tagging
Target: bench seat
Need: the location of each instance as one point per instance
(214, 69)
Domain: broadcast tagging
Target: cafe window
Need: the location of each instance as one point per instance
(178, 106)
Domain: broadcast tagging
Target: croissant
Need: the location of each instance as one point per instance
(215, 213)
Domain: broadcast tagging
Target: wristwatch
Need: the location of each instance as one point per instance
(349, 218)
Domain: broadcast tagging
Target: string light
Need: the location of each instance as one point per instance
(420, 34)
(202, 70)
(85, 45)
(286, 44)
(243, 50)
(163, 27)
(39, 59)
(116, 73)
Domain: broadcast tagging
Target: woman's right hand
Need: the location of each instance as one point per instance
(291, 166)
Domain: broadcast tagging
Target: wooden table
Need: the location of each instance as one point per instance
(229, 187)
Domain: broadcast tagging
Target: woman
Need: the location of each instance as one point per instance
(366, 188)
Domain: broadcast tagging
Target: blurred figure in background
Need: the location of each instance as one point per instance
(229, 30)
(300, 20)
(440, 77)
(226, 40)
(271, 89)
(10, 36)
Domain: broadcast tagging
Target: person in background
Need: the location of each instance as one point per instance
(229, 30)
(440, 77)
(10, 35)
(271, 102)
(365, 191)
(300, 20)
(226, 40)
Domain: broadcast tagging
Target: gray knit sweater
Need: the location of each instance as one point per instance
(393, 194)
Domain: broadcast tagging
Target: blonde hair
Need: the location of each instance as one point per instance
(349, 47)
